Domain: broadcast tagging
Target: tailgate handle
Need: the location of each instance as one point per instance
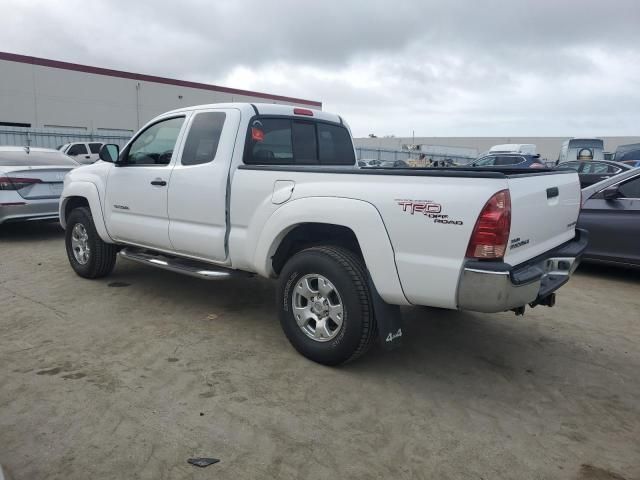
(553, 192)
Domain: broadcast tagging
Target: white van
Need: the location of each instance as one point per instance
(522, 148)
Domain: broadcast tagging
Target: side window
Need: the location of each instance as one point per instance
(484, 162)
(572, 165)
(203, 138)
(335, 146)
(630, 189)
(95, 147)
(77, 149)
(270, 142)
(504, 160)
(596, 167)
(305, 148)
(154, 146)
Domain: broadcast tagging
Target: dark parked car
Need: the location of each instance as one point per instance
(594, 171)
(627, 152)
(394, 164)
(511, 160)
(611, 214)
(632, 163)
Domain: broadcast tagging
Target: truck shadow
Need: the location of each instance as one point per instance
(609, 272)
(438, 344)
(30, 231)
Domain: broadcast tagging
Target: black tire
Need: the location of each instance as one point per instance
(347, 273)
(102, 255)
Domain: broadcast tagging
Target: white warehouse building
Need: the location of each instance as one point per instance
(38, 93)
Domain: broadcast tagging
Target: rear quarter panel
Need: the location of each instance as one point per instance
(427, 222)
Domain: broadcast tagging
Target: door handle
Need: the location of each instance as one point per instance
(159, 182)
(87, 156)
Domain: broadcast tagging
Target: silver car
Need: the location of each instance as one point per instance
(31, 182)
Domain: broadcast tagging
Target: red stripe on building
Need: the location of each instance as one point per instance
(44, 62)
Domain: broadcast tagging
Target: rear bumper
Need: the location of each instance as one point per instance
(25, 210)
(497, 286)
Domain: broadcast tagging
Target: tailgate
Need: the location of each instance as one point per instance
(544, 211)
(39, 183)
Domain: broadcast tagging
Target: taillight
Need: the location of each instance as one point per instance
(16, 183)
(536, 165)
(302, 111)
(491, 233)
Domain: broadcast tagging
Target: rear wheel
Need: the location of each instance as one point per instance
(88, 255)
(325, 305)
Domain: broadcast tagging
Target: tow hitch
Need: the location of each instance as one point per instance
(547, 301)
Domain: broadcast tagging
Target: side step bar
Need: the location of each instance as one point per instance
(185, 266)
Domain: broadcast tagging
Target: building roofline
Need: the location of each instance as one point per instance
(44, 62)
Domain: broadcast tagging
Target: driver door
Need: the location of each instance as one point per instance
(136, 199)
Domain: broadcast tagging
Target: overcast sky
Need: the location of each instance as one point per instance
(441, 68)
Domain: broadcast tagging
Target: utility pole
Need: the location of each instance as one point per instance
(138, 104)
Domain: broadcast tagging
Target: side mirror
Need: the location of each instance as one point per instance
(109, 153)
(610, 193)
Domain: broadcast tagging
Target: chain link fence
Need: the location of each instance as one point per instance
(413, 158)
(52, 138)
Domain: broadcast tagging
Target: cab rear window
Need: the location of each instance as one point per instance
(283, 141)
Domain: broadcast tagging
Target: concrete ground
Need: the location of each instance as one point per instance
(129, 376)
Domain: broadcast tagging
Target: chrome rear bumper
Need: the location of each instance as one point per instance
(497, 287)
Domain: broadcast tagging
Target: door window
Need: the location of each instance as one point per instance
(484, 162)
(95, 147)
(77, 149)
(630, 189)
(572, 165)
(597, 168)
(203, 138)
(154, 146)
(506, 160)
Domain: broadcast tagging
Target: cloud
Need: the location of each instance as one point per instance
(439, 68)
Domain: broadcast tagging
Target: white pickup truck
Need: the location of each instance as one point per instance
(225, 190)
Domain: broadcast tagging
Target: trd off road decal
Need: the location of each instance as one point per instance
(429, 209)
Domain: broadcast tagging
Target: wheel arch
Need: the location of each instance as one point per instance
(353, 224)
(84, 194)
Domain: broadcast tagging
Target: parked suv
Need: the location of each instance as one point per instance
(512, 160)
(82, 152)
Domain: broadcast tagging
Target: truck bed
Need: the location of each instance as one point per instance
(460, 172)
(428, 215)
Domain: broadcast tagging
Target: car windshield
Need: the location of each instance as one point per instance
(35, 159)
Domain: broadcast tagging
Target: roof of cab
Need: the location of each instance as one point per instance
(265, 109)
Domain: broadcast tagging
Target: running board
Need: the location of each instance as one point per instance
(185, 266)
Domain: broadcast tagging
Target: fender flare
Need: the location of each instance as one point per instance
(88, 191)
(358, 215)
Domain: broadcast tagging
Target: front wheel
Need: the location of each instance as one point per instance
(325, 305)
(89, 256)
